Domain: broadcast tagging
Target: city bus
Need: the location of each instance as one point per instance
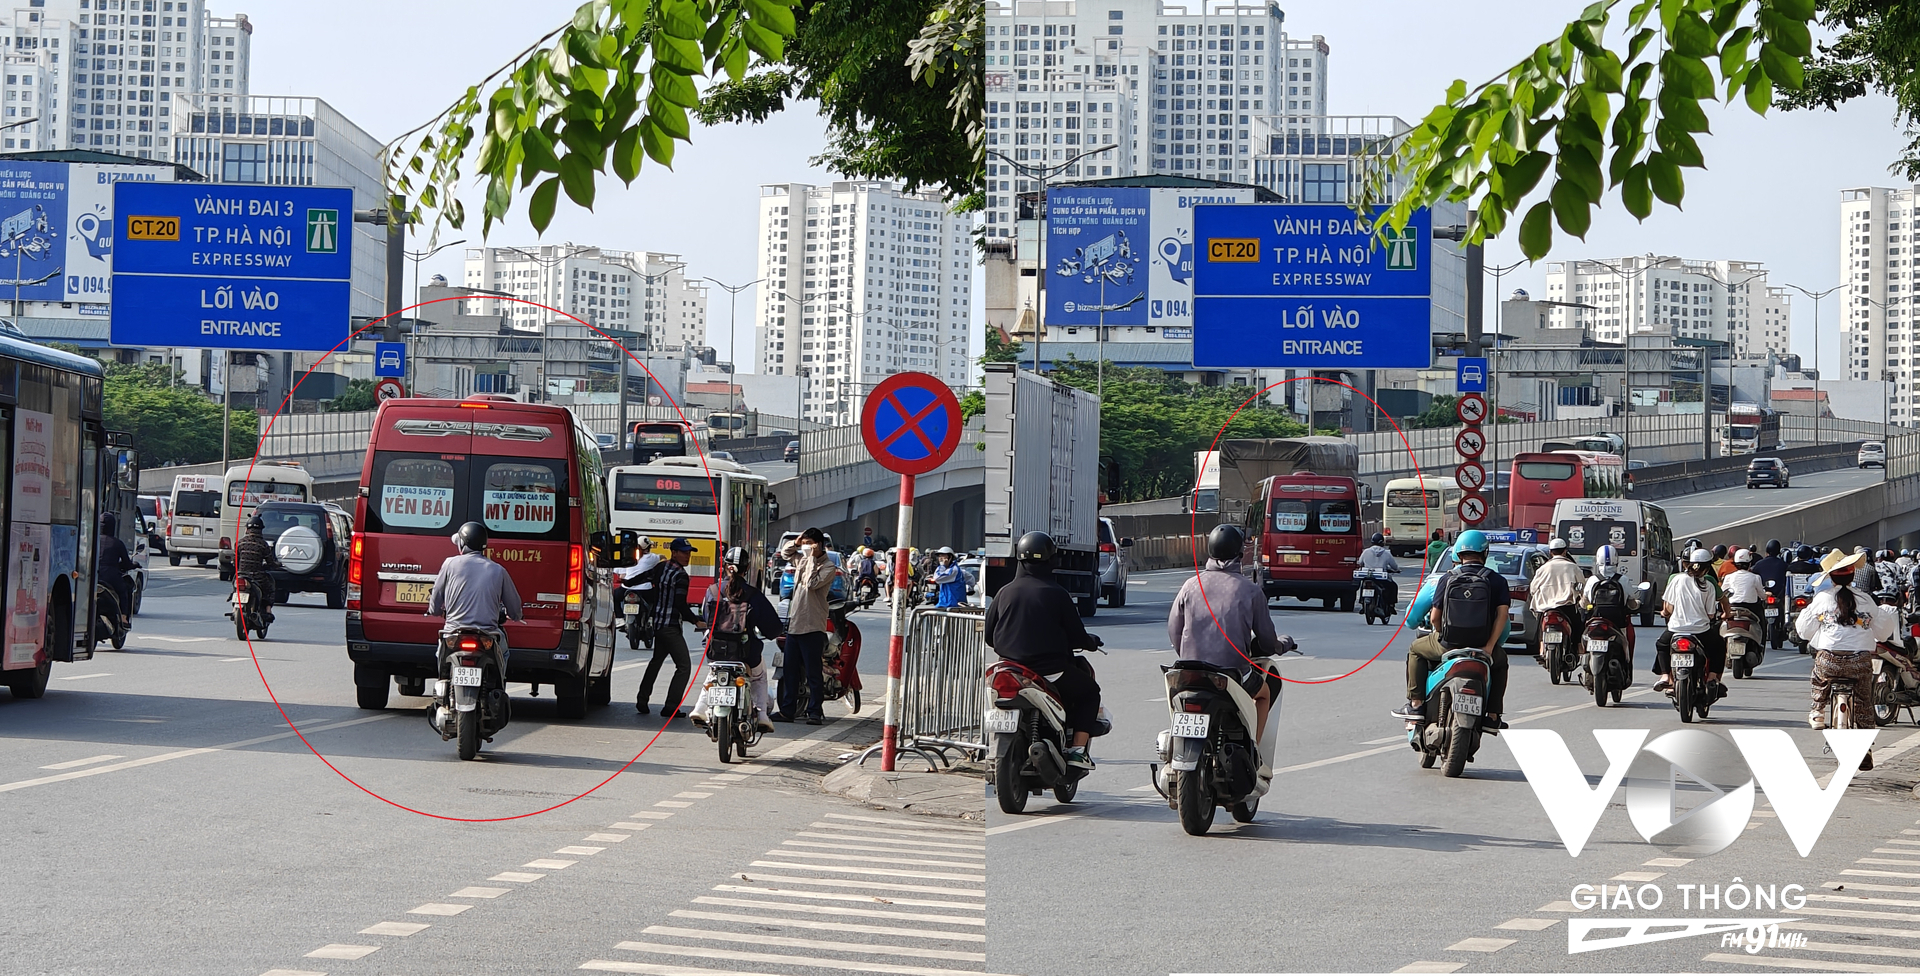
(715, 507)
(1414, 508)
(54, 445)
(531, 473)
(1541, 480)
(655, 439)
(1306, 533)
(247, 485)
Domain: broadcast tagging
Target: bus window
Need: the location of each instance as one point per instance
(691, 494)
(414, 495)
(1546, 470)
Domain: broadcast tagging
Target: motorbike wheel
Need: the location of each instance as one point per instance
(261, 630)
(633, 637)
(1243, 812)
(1884, 710)
(723, 734)
(1616, 696)
(1683, 698)
(1196, 801)
(1600, 689)
(1007, 786)
(119, 638)
(469, 734)
(1065, 790)
(1553, 669)
(1459, 745)
(853, 699)
(239, 623)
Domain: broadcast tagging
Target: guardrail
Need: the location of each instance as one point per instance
(1657, 481)
(943, 689)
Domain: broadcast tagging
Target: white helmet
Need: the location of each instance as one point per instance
(1557, 546)
(1605, 563)
(1743, 557)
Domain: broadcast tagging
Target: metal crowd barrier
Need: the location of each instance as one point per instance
(943, 691)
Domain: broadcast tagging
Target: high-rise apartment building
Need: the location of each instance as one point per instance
(1878, 276)
(860, 280)
(1717, 301)
(105, 74)
(1191, 92)
(644, 291)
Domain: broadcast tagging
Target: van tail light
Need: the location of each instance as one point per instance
(1108, 547)
(226, 542)
(357, 549)
(576, 580)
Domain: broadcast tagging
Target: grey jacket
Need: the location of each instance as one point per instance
(812, 585)
(472, 591)
(1227, 624)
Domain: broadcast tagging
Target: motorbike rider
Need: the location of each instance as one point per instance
(1033, 621)
(1804, 562)
(1606, 597)
(1772, 571)
(1745, 589)
(1556, 586)
(1721, 564)
(866, 569)
(1905, 562)
(111, 564)
(743, 642)
(1220, 617)
(474, 593)
(1378, 556)
(1436, 547)
(251, 557)
(1843, 626)
(1427, 612)
(949, 578)
(638, 577)
(1864, 575)
(1690, 602)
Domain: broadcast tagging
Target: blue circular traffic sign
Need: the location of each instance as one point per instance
(911, 423)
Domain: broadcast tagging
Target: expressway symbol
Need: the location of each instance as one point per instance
(1471, 409)
(1473, 509)
(1470, 476)
(1470, 442)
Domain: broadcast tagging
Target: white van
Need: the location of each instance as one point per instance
(1414, 508)
(1639, 533)
(193, 519)
(247, 486)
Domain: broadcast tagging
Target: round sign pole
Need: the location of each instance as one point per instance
(897, 639)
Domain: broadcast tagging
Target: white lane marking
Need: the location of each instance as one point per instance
(922, 834)
(1864, 900)
(677, 804)
(806, 923)
(651, 815)
(1784, 962)
(1638, 876)
(517, 876)
(183, 753)
(438, 908)
(581, 850)
(401, 929)
(1430, 967)
(549, 864)
(475, 891)
(609, 838)
(1863, 886)
(291, 972)
(908, 861)
(697, 952)
(83, 677)
(879, 872)
(788, 942)
(230, 660)
(624, 825)
(1480, 945)
(1369, 742)
(858, 899)
(836, 910)
(180, 640)
(1536, 708)
(892, 840)
(338, 951)
(1528, 924)
(691, 796)
(652, 969)
(728, 776)
(1855, 929)
(881, 850)
(71, 763)
(1858, 913)
(1036, 822)
(1882, 874)
(863, 885)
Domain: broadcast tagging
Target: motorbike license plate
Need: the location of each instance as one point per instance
(720, 695)
(1187, 725)
(1366, 594)
(1773, 612)
(1596, 647)
(466, 676)
(1683, 660)
(241, 597)
(412, 592)
(1468, 704)
(633, 602)
(1553, 637)
(1002, 721)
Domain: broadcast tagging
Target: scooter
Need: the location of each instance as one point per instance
(106, 616)
(866, 591)
(728, 700)
(1776, 628)
(1451, 727)
(1559, 648)
(1687, 662)
(1030, 736)
(470, 697)
(1745, 649)
(1607, 666)
(1210, 758)
(1800, 586)
(1373, 595)
(249, 612)
(1842, 701)
(1896, 677)
(639, 611)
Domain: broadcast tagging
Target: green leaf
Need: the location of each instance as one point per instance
(1603, 72)
(1677, 144)
(677, 88)
(658, 144)
(1639, 41)
(764, 42)
(772, 15)
(1691, 75)
(668, 118)
(1520, 178)
(540, 205)
(1635, 193)
(1682, 111)
(1790, 35)
(576, 175)
(1785, 70)
(1801, 10)
(536, 149)
(734, 55)
(678, 53)
(1536, 231)
(1759, 90)
(1579, 166)
(1691, 36)
(1733, 52)
(1571, 208)
(681, 18)
(499, 196)
(1668, 185)
(628, 155)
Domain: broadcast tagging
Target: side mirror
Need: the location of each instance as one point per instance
(1126, 543)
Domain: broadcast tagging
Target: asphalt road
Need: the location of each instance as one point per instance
(161, 818)
(1698, 513)
(1359, 860)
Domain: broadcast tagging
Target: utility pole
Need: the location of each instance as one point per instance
(733, 352)
(1816, 296)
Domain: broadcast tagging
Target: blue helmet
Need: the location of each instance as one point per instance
(1472, 540)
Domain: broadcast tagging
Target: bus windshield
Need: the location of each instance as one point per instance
(1546, 470)
(684, 494)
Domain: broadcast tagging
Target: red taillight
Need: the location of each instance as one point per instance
(226, 542)
(469, 644)
(239, 582)
(1193, 705)
(353, 560)
(1683, 645)
(1008, 684)
(576, 580)
(1771, 599)
(1108, 547)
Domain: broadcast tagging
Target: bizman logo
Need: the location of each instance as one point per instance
(1654, 778)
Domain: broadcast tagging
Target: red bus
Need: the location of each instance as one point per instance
(1307, 531)
(1540, 480)
(531, 473)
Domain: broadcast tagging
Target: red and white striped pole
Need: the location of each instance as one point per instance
(897, 642)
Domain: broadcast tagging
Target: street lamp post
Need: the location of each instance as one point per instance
(416, 257)
(733, 354)
(1042, 174)
(1816, 296)
(647, 280)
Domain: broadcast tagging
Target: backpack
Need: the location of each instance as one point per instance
(732, 618)
(1610, 599)
(1466, 606)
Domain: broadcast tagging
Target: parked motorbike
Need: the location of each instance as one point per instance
(728, 700)
(1745, 649)
(1373, 595)
(1559, 648)
(839, 664)
(1030, 736)
(470, 696)
(1210, 758)
(1456, 701)
(1688, 663)
(248, 611)
(106, 616)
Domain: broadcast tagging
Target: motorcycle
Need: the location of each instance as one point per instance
(470, 697)
(1373, 593)
(839, 664)
(866, 591)
(729, 703)
(1688, 663)
(1745, 649)
(106, 616)
(1451, 728)
(1030, 736)
(1896, 677)
(1209, 758)
(1775, 627)
(1800, 586)
(1607, 667)
(248, 612)
(639, 611)
(1559, 650)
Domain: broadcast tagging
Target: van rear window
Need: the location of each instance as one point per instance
(247, 494)
(519, 498)
(197, 504)
(1332, 516)
(1586, 536)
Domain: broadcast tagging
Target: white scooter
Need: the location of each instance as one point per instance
(1209, 757)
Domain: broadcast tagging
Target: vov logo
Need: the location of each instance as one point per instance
(1654, 777)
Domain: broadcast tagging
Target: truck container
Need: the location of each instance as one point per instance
(1042, 472)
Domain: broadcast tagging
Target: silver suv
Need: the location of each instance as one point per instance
(1113, 564)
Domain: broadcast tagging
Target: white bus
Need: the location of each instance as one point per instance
(715, 507)
(1414, 508)
(247, 486)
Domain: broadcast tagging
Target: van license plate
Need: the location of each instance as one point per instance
(186, 530)
(1293, 557)
(1002, 721)
(1190, 725)
(1467, 704)
(466, 677)
(1683, 660)
(412, 592)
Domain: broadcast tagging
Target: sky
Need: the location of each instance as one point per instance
(1770, 193)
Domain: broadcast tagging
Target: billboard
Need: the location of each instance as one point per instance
(1127, 250)
(56, 222)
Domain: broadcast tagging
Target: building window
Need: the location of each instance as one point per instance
(1323, 183)
(243, 163)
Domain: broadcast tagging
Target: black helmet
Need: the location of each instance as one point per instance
(109, 523)
(471, 537)
(1773, 547)
(1805, 554)
(1719, 552)
(256, 522)
(738, 559)
(1226, 542)
(1035, 547)
(1379, 540)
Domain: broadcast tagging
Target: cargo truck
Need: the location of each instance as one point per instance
(1042, 472)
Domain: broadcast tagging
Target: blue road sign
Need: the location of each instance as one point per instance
(232, 266)
(1305, 286)
(390, 359)
(1470, 376)
(911, 423)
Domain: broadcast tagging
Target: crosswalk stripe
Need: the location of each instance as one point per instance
(698, 952)
(1853, 913)
(919, 834)
(893, 840)
(805, 923)
(979, 856)
(1855, 930)
(1864, 886)
(652, 969)
(1886, 860)
(862, 859)
(788, 942)
(836, 910)
(865, 885)
(1784, 962)
(918, 824)
(1882, 874)
(838, 896)
(880, 872)
(1861, 950)
(1865, 900)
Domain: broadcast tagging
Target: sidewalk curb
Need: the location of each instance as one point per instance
(955, 795)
